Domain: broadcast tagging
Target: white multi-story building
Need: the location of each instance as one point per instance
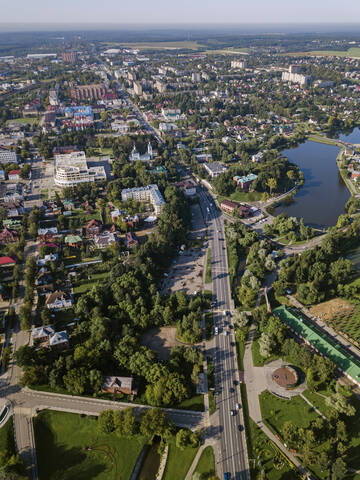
(146, 157)
(53, 97)
(295, 77)
(7, 156)
(72, 169)
(151, 194)
(238, 64)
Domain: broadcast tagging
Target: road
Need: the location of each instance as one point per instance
(234, 458)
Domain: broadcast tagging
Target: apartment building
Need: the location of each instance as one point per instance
(88, 92)
(151, 194)
(7, 156)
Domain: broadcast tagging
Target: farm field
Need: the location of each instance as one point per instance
(62, 441)
(353, 52)
(163, 45)
(340, 314)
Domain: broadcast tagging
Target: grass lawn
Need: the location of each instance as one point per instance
(178, 462)
(212, 406)
(353, 52)
(60, 441)
(206, 463)
(208, 267)
(84, 286)
(23, 120)
(276, 411)
(260, 361)
(240, 196)
(195, 403)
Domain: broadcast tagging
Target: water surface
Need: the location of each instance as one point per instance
(324, 194)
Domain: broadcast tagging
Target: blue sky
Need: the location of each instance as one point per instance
(180, 11)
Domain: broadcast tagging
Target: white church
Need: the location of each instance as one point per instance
(146, 157)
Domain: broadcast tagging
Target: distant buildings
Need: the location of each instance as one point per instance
(72, 169)
(68, 57)
(138, 89)
(196, 77)
(78, 117)
(151, 194)
(215, 169)
(88, 92)
(257, 158)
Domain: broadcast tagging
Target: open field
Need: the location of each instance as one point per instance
(206, 463)
(353, 52)
(163, 45)
(228, 51)
(62, 441)
(178, 462)
(161, 340)
(84, 286)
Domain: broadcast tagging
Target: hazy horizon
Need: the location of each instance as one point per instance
(165, 12)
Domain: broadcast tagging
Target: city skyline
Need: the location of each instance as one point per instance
(186, 12)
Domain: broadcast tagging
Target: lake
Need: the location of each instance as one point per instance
(324, 194)
(353, 137)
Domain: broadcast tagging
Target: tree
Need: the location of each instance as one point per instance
(154, 422)
(25, 317)
(341, 404)
(45, 316)
(272, 184)
(339, 469)
(265, 345)
(76, 380)
(25, 356)
(106, 421)
(186, 438)
(290, 432)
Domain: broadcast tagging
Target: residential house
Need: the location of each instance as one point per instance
(8, 236)
(115, 385)
(59, 300)
(189, 188)
(131, 240)
(41, 335)
(93, 227)
(257, 158)
(7, 262)
(47, 234)
(74, 241)
(14, 175)
(59, 340)
(105, 239)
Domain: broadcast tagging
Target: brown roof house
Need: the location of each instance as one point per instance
(59, 300)
(131, 240)
(119, 385)
(93, 227)
(8, 236)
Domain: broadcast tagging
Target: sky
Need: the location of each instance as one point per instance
(180, 11)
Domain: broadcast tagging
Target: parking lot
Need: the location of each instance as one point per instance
(188, 268)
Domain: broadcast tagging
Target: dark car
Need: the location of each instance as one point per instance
(231, 390)
(235, 382)
(240, 428)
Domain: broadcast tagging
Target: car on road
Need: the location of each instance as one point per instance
(238, 406)
(235, 382)
(240, 428)
(216, 330)
(227, 476)
(231, 390)
(232, 413)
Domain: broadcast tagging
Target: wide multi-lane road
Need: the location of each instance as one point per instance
(234, 460)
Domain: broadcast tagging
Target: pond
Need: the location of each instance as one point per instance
(353, 137)
(324, 194)
(151, 463)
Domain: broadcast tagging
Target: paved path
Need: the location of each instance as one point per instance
(313, 406)
(256, 383)
(195, 462)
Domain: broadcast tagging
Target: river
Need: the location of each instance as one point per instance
(324, 194)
